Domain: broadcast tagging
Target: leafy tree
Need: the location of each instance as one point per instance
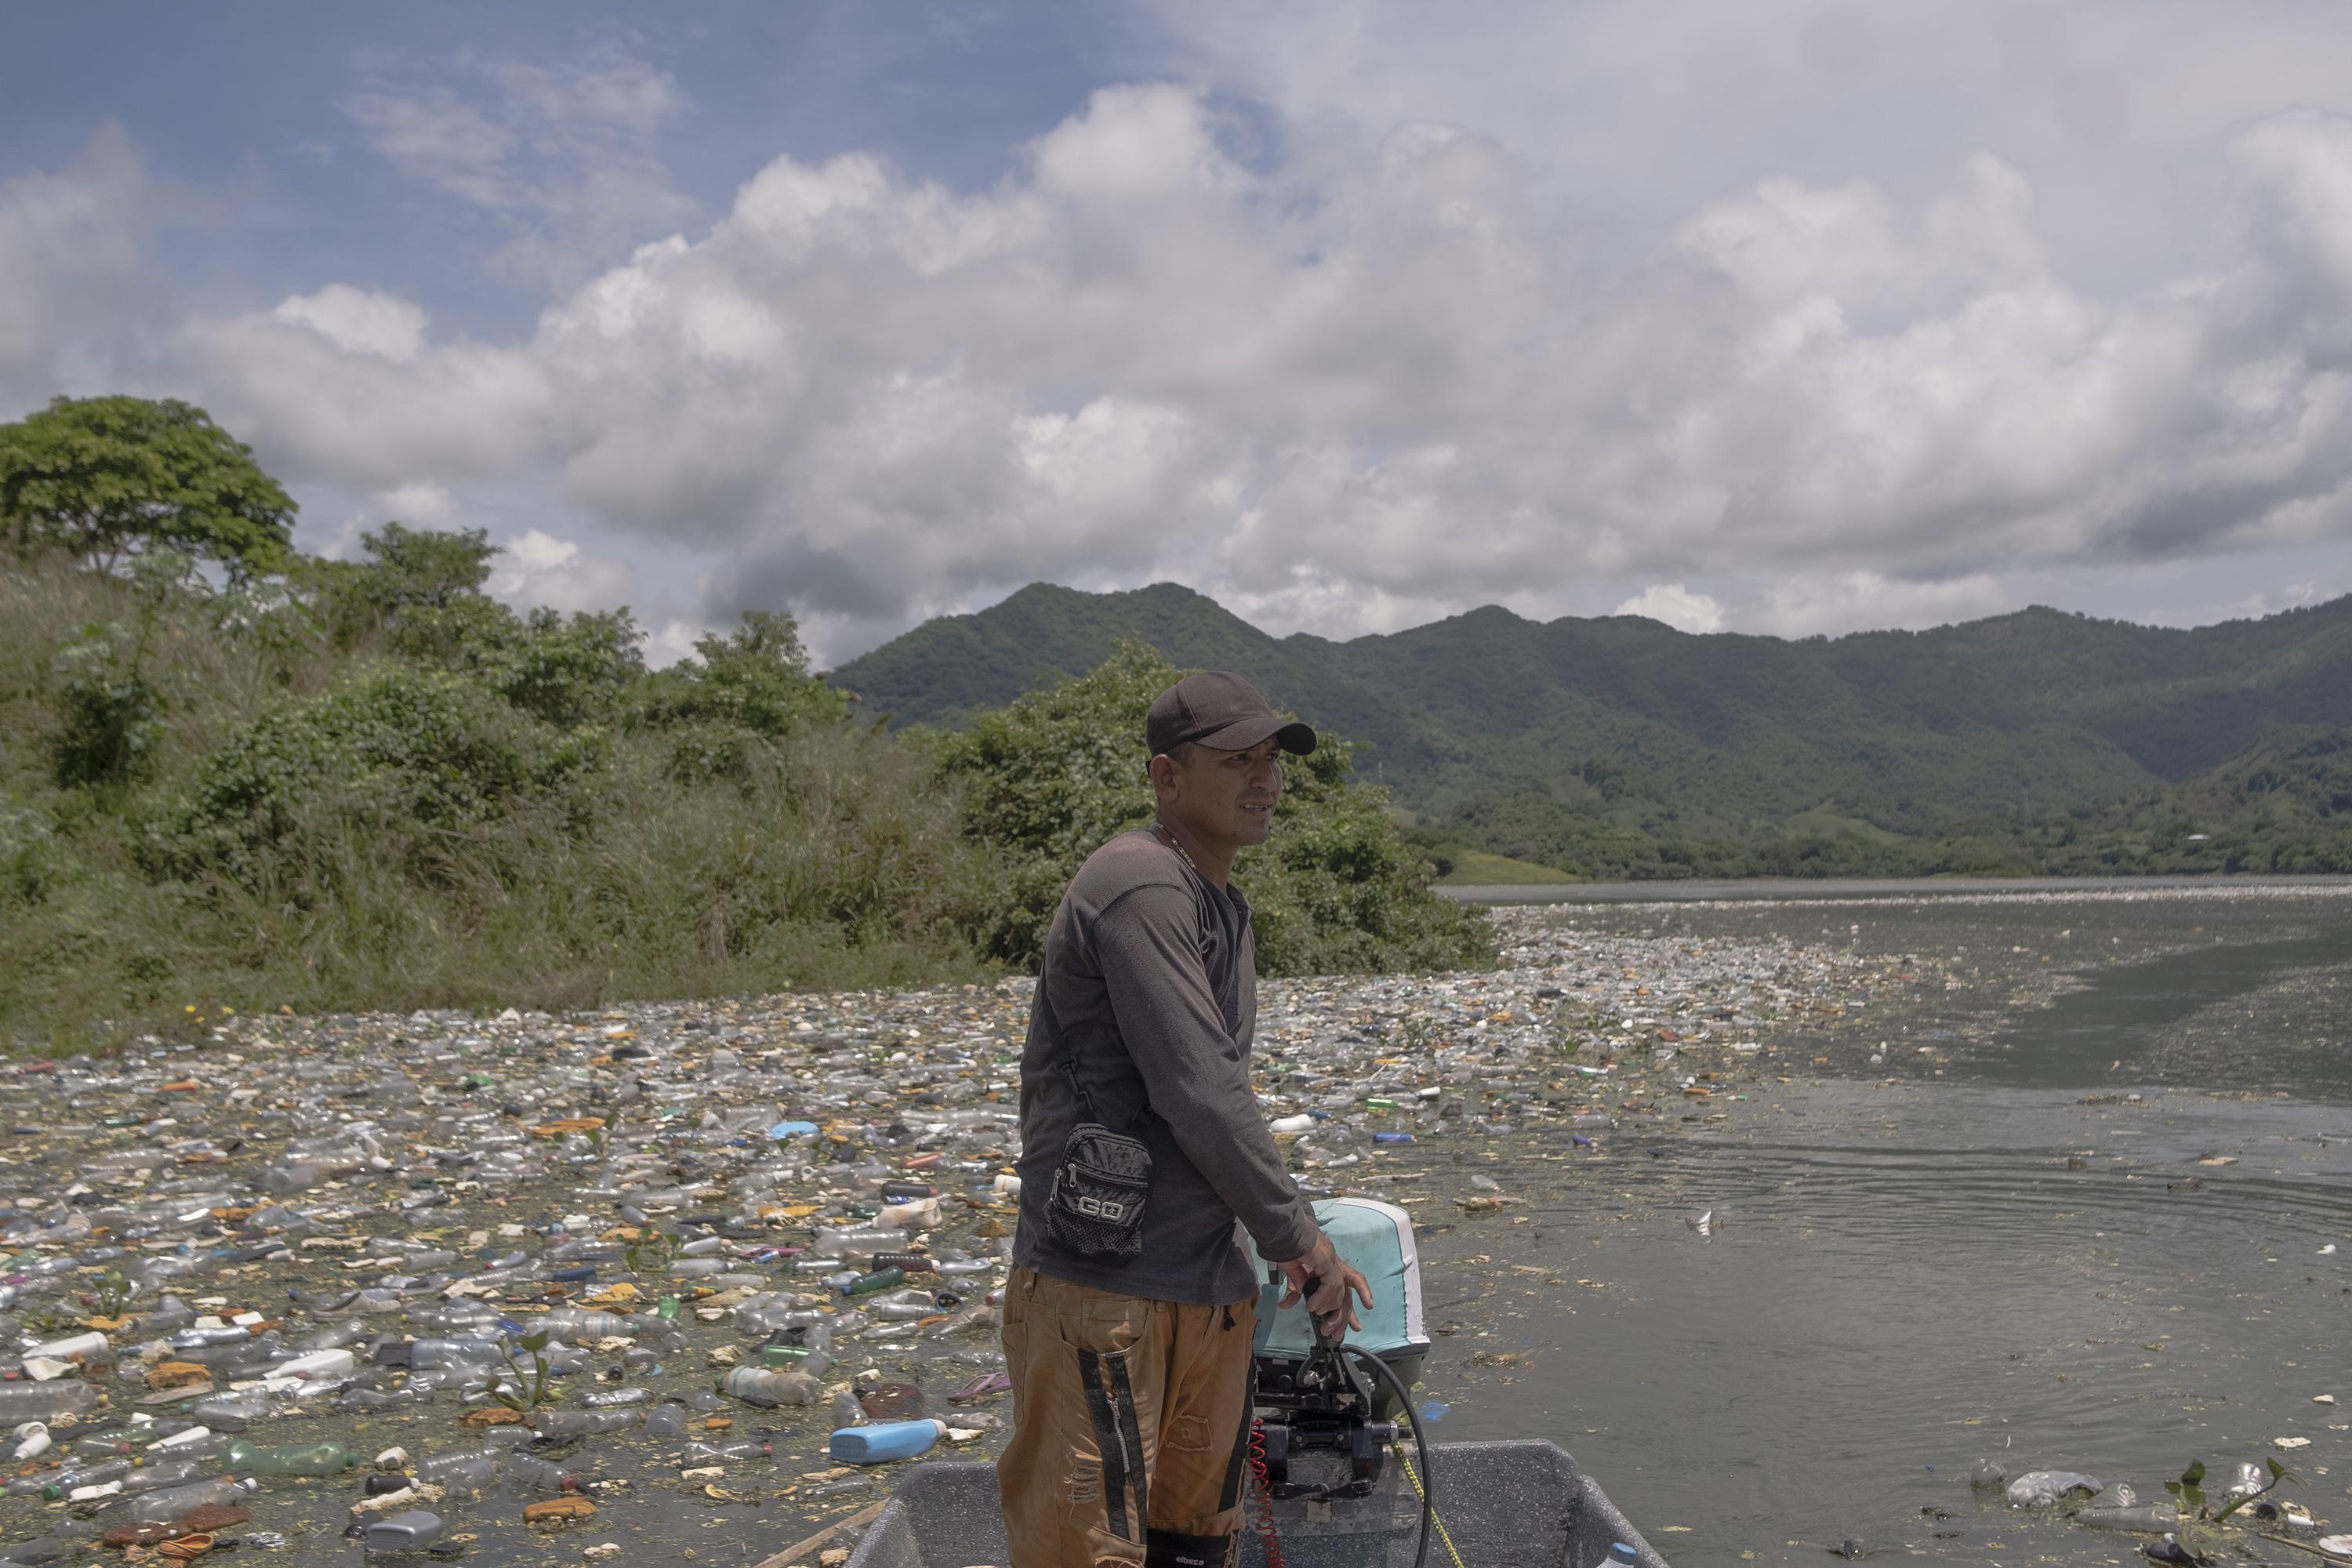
(756, 677)
(729, 707)
(1044, 781)
(106, 479)
(421, 589)
(419, 577)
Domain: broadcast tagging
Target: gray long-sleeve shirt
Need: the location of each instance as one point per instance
(1150, 978)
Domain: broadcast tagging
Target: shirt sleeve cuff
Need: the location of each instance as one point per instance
(1293, 1238)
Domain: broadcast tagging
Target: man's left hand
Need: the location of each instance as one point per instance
(1335, 1283)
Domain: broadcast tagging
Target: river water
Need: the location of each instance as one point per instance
(2089, 1208)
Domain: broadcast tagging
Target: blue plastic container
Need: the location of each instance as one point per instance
(883, 1441)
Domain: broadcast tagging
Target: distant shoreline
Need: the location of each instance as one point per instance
(1793, 889)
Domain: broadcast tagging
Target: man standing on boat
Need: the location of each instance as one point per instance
(1128, 1316)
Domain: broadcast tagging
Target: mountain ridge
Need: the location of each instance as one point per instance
(1947, 730)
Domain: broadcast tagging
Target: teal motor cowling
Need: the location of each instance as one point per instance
(1376, 1240)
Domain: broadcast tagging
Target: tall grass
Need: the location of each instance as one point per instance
(829, 859)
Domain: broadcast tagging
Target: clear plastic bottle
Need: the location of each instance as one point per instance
(65, 1481)
(170, 1473)
(463, 1473)
(583, 1423)
(335, 1336)
(614, 1398)
(231, 1411)
(190, 1443)
(721, 1453)
(46, 1401)
(539, 1473)
(168, 1503)
(836, 1239)
(761, 1387)
(576, 1323)
(429, 1355)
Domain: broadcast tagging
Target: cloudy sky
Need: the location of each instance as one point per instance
(1765, 315)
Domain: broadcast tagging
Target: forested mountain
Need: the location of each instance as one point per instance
(1993, 727)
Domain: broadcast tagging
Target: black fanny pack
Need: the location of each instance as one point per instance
(1095, 1210)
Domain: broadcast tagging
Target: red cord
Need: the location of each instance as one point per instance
(1264, 1493)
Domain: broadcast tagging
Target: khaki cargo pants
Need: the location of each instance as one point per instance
(1130, 1427)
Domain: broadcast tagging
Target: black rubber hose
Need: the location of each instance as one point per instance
(1419, 1441)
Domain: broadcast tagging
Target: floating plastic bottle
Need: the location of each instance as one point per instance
(294, 1459)
(584, 1422)
(232, 1411)
(722, 1453)
(538, 1474)
(761, 1387)
(318, 1366)
(2146, 1519)
(578, 1323)
(92, 1346)
(884, 1441)
(835, 1240)
(437, 1354)
(169, 1504)
(170, 1473)
(460, 1472)
(57, 1483)
(46, 1401)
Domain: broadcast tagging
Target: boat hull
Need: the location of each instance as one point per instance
(1523, 1504)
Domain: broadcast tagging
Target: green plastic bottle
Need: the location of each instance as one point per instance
(294, 1459)
(880, 1280)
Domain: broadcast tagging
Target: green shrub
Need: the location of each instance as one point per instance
(106, 706)
(755, 679)
(417, 754)
(569, 672)
(706, 752)
(1047, 780)
(29, 862)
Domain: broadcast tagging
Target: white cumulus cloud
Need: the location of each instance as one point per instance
(361, 320)
(1676, 605)
(1399, 347)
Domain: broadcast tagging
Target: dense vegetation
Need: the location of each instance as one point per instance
(235, 776)
(2037, 743)
(1335, 889)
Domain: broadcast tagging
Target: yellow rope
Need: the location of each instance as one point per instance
(1406, 1459)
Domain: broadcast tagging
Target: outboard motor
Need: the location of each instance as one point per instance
(1310, 1394)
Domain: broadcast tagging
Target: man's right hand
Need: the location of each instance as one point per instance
(1334, 1282)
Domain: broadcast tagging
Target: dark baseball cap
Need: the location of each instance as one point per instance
(1217, 708)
